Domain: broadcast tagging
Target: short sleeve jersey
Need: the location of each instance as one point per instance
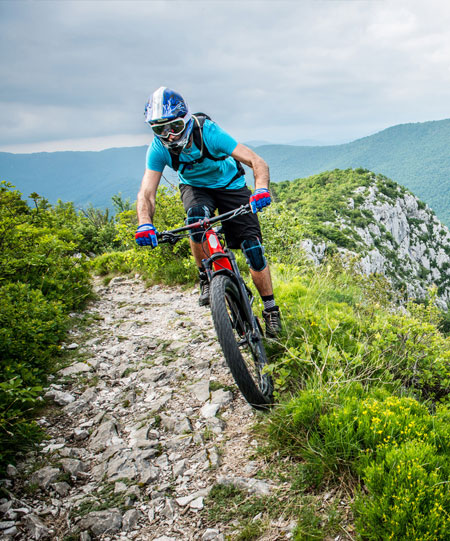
(208, 173)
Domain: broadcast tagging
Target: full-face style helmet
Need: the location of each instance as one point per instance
(168, 114)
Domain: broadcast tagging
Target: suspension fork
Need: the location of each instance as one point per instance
(225, 262)
(246, 296)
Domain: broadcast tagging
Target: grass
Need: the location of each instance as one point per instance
(252, 515)
(101, 499)
(217, 386)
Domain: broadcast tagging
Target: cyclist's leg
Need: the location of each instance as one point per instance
(198, 204)
(244, 232)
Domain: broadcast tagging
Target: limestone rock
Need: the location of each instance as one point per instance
(59, 397)
(253, 486)
(209, 410)
(45, 476)
(130, 519)
(200, 390)
(402, 240)
(105, 436)
(101, 522)
(76, 368)
(211, 534)
(35, 527)
(73, 466)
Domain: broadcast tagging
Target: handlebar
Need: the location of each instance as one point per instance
(172, 236)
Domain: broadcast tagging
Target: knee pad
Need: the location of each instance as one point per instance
(254, 254)
(194, 214)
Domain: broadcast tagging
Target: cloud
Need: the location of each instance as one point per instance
(330, 70)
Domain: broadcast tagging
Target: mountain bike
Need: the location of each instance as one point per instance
(238, 329)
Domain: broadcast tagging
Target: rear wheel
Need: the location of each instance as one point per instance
(243, 349)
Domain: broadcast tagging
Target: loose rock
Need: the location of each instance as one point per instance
(140, 429)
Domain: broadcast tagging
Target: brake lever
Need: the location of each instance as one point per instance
(169, 238)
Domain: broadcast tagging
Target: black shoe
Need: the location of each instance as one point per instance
(203, 300)
(272, 319)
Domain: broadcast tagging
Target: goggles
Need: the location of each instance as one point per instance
(173, 127)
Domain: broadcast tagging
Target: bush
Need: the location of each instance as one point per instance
(31, 326)
(415, 353)
(408, 496)
(18, 430)
(42, 279)
(165, 263)
(282, 234)
(341, 327)
(170, 265)
(395, 444)
(35, 249)
(399, 448)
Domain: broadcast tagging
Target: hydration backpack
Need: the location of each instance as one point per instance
(197, 135)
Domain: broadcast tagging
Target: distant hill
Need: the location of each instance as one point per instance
(81, 177)
(415, 155)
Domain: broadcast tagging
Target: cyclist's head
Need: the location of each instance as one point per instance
(168, 114)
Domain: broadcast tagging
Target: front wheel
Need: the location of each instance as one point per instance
(243, 349)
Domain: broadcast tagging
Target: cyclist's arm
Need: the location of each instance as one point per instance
(259, 166)
(146, 198)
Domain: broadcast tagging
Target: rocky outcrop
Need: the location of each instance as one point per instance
(395, 235)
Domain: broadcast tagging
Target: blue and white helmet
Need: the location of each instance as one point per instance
(164, 108)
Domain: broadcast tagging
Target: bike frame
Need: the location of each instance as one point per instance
(221, 260)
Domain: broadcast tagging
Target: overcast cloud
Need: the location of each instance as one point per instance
(77, 74)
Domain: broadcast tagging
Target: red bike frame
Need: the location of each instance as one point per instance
(215, 247)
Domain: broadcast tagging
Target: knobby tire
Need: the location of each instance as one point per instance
(245, 357)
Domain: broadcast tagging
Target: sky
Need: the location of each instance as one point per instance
(75, 75)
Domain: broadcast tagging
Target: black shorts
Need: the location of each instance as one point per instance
(238, 229)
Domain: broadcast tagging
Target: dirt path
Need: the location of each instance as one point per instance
(147, 421)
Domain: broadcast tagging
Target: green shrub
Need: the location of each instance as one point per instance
(164, 264)
(397, 446)
(282, 234)
(30, 329)
(31, 326)
(18, 430)
(408, 496)
(340, 327)
(415, 352)
(42, 279)
(37, 250)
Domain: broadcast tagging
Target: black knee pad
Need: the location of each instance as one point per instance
(254, 254)
(194, 214)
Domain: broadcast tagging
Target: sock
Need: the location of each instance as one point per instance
(269, 302)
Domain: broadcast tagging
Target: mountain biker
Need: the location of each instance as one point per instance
(211, 177)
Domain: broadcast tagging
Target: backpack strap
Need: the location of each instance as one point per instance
(197, 135)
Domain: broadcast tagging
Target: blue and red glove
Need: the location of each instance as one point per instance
(146, 235)
(260, 199)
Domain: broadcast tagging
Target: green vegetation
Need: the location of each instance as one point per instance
(168, 264)
(320, 205)
(363, 398)
(43, 277)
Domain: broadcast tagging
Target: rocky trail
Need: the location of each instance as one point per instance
(142, 424)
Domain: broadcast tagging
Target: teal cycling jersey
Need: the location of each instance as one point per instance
(208, 173)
